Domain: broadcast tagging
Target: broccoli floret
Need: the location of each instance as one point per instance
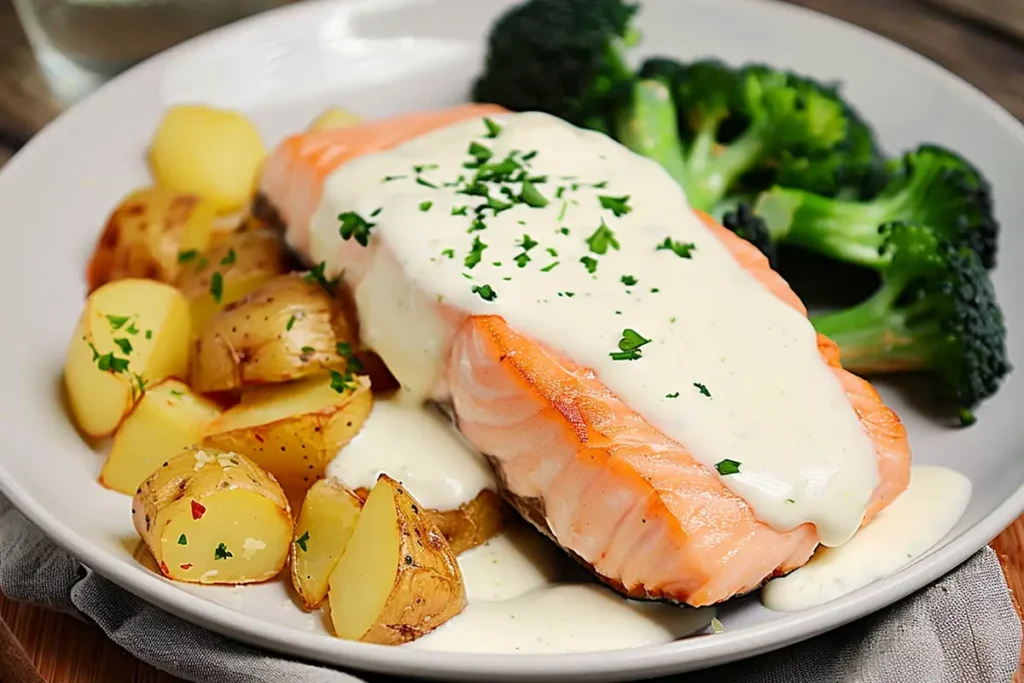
(931, 186)
(746, 224)
(936, 311)
(782, 115)
(562, 57)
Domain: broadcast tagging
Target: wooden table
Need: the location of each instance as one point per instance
(65, 650)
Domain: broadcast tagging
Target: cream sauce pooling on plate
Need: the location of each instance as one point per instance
(418, 447)
(917, 520)
(520, 602)
(600, 258)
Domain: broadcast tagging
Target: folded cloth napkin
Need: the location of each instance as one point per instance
(961, 629)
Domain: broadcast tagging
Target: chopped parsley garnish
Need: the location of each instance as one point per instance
(187, 255)
(564, 231)
(426, 183)
(527, 243)
(702, 389)
(522, 259)
(149, 334)
(124, 345)
(342, 382)
(475, 253)
(460, 211)
(177, 393)
(674, 395)
(681, 249)
(302, 540)
(354, 226)
(727, 467)
(567, 294)
(132, 329)
(589, 263)
(182, 540)
(389, 178)
(317, 277)
(485, 292)
(222, 552)
(420, 168)
(561, 217)
(551, 251)
(290, 324)
(496, 264)
(216, 286)
(308, 349)
(548, 268)
(529, 155)
(108, 362)
(117, 321)
(602, 238)
(480, 153)
(493, 128)
(628, 280)
(425, 206)
(346, 352)
(617, 205)
(630, 345)
(450, 253)
(531, 196)
(229, 258)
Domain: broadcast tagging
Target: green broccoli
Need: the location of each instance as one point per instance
(936, 311)
(931, 185)
(563, 57)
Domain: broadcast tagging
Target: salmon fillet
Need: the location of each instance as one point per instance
(583, 467)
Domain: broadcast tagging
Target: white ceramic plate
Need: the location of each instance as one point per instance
(380, 57)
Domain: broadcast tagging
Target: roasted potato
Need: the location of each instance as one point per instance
(287, 328)
(167, 419)
(234, 266)
(294, 430)
(211, 152)
(334, 117)
(398, 579)
(146, 234)
(325, 525)
(131, 334)
(471, 524)
(209, 516)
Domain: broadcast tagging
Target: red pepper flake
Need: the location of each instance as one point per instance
(164, 569)
(197, 510)
(186, 567)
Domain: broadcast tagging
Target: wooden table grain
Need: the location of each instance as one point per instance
(66, 650)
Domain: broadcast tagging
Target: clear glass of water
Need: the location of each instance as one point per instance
(81, 43)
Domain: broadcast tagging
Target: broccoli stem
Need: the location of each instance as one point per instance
(649, 127)
(713, 170)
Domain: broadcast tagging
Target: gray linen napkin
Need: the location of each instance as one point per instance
(961, 629)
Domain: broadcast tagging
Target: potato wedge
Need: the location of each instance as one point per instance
(287, 328)
(211, 152)
(325, 525)
(167, 419)
(214, 517)
(398, 579)
(146, 233)
(294, 430)
(234, 266)
(131, 334)
(334, 117)
(471, 524)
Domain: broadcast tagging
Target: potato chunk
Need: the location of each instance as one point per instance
(147, 233)
(209, 516)
(210, 152)
(131, 334)
(294, 430)
(234, 266)
(398, 579)
(325, 525)
(289, 327)
(168, 419)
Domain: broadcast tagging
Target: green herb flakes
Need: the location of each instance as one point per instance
(302, 540)
(217, 286)
(117, 321)
(425, 206)
(354, 226)
(628, 280)
(630, 345)
(222, 552)
(229, 258)
(589, 263)
(727, 467)
(680, 249)
(124, 345)
(475, 254)
(602, 239)
(493, 128)
(485, 292)
(342, 382)
(182, 540)
(617, 205)
(290, 324)
(187, 255)
(702, 389)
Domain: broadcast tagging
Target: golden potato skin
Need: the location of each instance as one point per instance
(211, 516)
(471, 524)
(325, 524)
(146, 233)
(398, 579)
(240, 261)
(293, 430)
(285, 329)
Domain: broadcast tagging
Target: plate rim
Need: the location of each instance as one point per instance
(696, 653)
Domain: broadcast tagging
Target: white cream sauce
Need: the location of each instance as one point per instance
(417, 446)
(923, 514)
(730, 372)
(519, 601)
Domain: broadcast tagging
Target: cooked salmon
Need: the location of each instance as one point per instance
(586, 469)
